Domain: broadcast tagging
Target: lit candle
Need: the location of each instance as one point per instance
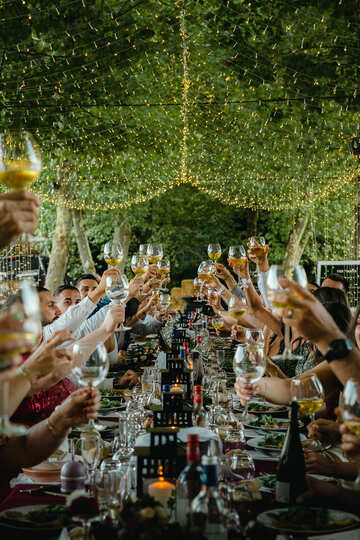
(161, 490)
(176, 389)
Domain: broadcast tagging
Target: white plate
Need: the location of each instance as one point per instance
(279, 421)
(254, 443)
(266, 519)
(271, 409)
(24, 526)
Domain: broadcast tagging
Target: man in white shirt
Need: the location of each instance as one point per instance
(67, 296)
(73, 317)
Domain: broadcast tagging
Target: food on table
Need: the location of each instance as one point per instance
(267, 421)
(269, 481)
(247, 490)
(107, 403)
(273, 440)
(111, 392)
(48, 516)
(308, 519)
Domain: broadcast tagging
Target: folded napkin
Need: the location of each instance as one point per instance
(204, 435)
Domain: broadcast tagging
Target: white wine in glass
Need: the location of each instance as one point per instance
(154, 253)
(139, 264)
(249, 367)
(20, 161)
(113, 253)
(214, 251)
(236, 308)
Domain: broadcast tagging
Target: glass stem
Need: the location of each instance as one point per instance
(286, 339)
(4, 400)
(246, 411)
(86, 525)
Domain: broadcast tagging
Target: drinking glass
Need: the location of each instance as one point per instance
(117, 289)
(124, 448)
(21, 302)
(249, 366)
(197, 287)
(236, 308)
(113, 253)
(241, 465)
(309, 394)
(139, 264)
(164, 267)
(143, 249)
(91, 445)
(351, 414)
(257, 244)
(91, 369)
(296, 274)
(237, 259)
(206, 270)
(217, 323)
(214, 251)
(234, 439)
(154, 253)
(164, 300)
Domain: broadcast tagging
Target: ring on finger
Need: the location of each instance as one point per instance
(289, 313)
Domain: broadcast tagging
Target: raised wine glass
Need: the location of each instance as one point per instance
(237, 259)
(91, 367)
(237, 308)
(214, 251)
(351, 416)
(164, 267)
(139, 264)
(164, 299)
(296, 274)
(20, 161)
(117, 289)
(113, 253)
(21, 302)
(257, 244)
(154, 253)
(249, 366)
(309, 394)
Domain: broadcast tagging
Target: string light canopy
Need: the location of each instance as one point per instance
(254, 109)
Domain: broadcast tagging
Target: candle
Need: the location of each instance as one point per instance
(161, 490)
(176, 389)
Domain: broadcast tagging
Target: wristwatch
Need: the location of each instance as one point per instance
(339, 348)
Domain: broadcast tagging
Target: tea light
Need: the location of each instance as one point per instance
(161, 490)
(176, 389)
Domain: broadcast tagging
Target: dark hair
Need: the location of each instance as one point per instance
(329, 295)
(341, 315)
(314, 285)
(85, 276)
(65, 288)
(340, 278)
(41, 289)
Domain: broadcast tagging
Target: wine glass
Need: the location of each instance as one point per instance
(257, 244)
(249, 366)
(154, 253)
(237, 308)
(206, 270)
(217, 323)
(117, 289)
(298, 275)
(351, 414)
(91, 445)
(214, 251)
(143, 249)
(164, 267)
(139, 264)
(20, 161)
(91, 367)
(164, 299)
(21, 302)
(237, 259)
(309, 394)
(197, 287)
(113, 253)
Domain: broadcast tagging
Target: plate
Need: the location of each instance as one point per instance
(269, 520)
(255, 443)
(283, 424)
(15, 518)
(267, 408)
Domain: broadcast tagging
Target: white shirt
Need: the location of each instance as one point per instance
(72, 319)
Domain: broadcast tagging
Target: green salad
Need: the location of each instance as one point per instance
(273, 440)
(266, 421)
(110, 403)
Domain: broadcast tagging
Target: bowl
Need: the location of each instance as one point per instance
(45, 471)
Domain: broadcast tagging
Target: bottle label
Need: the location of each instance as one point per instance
(282, 493)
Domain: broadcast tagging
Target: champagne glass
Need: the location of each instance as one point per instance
(249, 367)
(257, 244)
(117, 289)
(113, 253)
(22, 303)
(214, 251)
(91, 369)
(20, 161)
(237, 259)
(154, 253)
(298, 275)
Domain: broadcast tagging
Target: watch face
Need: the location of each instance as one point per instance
(339, 349)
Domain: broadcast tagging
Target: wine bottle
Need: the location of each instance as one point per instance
(200, 417)
(189, 481)
(207, 509)
(291, 473)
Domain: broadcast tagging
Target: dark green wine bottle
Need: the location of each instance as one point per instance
(291, 472)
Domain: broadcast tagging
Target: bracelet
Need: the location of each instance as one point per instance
(21, 370)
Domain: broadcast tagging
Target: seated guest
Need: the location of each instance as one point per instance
(67, 296)
(336, 281)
